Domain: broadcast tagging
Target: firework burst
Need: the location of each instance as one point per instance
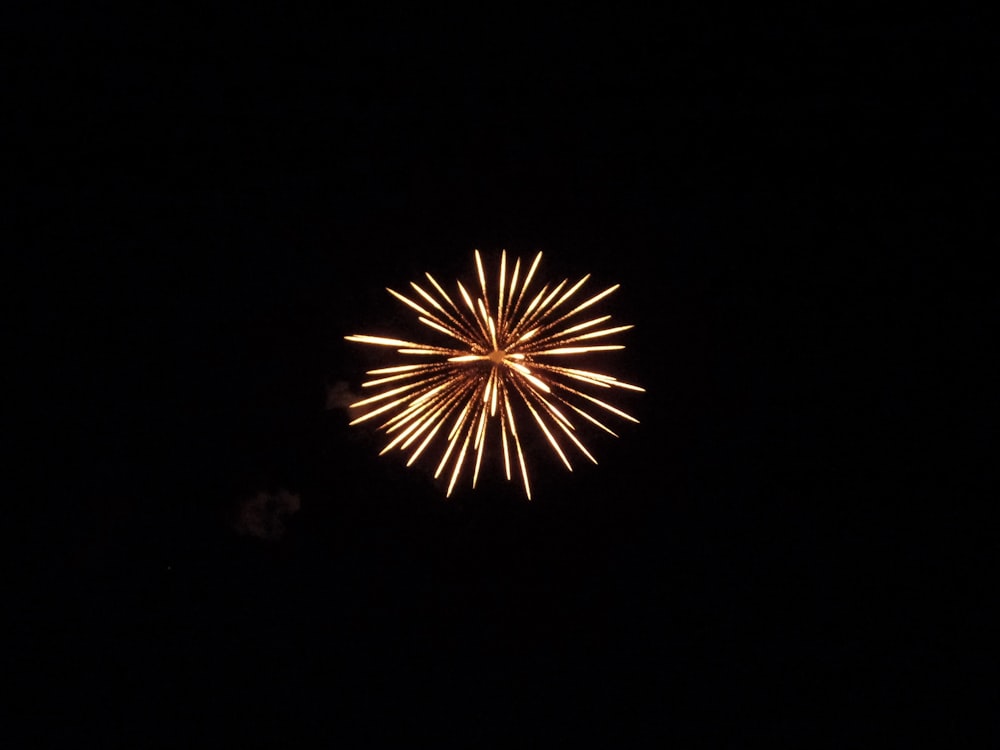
(504, 349)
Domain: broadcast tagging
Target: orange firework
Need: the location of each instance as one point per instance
(505, 350)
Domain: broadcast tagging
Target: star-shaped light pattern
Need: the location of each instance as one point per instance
(501, 354)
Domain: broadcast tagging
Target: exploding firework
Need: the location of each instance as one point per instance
(507, 355)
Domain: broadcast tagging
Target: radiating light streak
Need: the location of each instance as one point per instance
(493, 354)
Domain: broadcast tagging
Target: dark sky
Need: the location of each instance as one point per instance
(230, 195)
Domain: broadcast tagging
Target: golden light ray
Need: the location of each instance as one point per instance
(469, 386)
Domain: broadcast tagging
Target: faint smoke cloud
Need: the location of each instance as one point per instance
(340, 396)
(263, 515)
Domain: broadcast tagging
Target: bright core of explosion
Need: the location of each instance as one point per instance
(509, 350)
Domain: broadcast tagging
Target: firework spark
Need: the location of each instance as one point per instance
(505, 354)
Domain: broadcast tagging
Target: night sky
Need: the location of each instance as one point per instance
(220, 199)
